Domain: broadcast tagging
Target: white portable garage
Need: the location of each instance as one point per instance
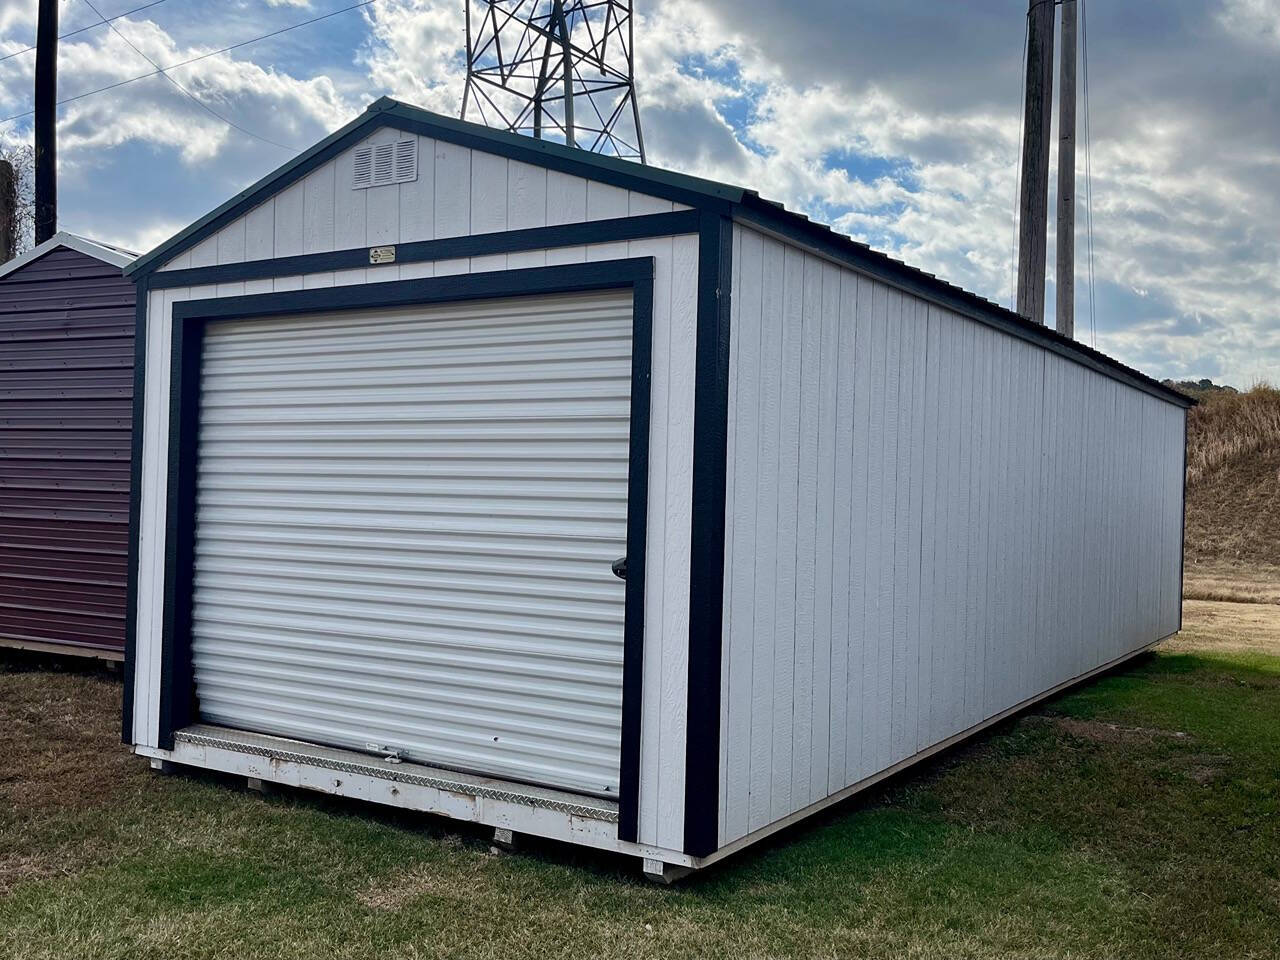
(496, 479)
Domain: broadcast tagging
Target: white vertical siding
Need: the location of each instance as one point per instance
(459, 191)
(445, 202)
(928, 522)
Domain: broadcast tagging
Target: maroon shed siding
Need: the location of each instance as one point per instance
(66, 386)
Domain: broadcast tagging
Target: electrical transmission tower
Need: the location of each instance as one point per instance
(560, 69)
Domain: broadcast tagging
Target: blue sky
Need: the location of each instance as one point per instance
(896, 123)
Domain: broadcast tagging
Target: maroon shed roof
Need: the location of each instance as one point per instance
(66, 385)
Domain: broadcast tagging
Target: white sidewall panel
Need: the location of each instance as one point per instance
(928, 521)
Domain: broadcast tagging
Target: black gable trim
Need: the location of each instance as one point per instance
(676, 187)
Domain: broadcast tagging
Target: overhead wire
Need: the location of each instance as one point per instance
(92, 26)
(196, 59)
(191, 96)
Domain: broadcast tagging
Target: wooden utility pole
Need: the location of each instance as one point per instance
(1033, 213)
(8, 211)
(46, 96)
(1065, 316)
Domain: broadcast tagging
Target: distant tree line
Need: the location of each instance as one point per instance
(22, 159)
(1200, 388)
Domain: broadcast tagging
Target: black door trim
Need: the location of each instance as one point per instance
(177, 707)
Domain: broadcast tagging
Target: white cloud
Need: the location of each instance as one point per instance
(1252, 20)
(1183, 175)
(416, 52)
(899, 130)
(153, 111)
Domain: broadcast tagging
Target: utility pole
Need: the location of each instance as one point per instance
(46, 96)
(1066, 287)
(1033, 214)
(8, 211)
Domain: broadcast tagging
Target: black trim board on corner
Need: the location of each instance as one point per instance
(177, 707)
(706, 575)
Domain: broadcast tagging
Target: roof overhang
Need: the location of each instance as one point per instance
(90, 248)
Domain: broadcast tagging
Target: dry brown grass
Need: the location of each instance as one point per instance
(1232, 582)
(1216, 627)
(1233, 480)
(57, 751)
(58, 757)
(1228, 426)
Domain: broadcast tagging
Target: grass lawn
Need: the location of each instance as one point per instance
(1136, 817)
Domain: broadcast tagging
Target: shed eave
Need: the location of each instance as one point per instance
(759, 213)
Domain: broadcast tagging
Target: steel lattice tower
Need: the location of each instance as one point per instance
(561, 69)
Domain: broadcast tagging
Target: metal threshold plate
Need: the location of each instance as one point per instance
(350, 761)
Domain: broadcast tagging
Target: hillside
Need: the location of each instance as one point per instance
(1233, 485)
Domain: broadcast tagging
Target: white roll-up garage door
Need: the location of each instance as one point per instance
(405, 522)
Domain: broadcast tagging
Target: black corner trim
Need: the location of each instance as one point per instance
(473, 245)
(637, 533)
(177, 707)
(706, 585)
(135, 508)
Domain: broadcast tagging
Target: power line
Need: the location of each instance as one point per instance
(191, 96)
(203, 56)
(92, 26)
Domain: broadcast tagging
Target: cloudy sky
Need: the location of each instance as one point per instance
(897, 123)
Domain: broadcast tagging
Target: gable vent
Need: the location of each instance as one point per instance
(379, 164)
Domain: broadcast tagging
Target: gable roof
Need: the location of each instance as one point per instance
(105, 252)
(743, 205)
(679, 187)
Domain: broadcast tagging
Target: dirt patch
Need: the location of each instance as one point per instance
(1100, 732)
(1215, 626)
(1204, 768)
(16, 868)
(59, 745)
(392, 893)
(436, 879)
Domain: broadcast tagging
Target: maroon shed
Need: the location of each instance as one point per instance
(66, 386)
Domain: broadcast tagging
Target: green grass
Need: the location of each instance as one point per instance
(1089, 828)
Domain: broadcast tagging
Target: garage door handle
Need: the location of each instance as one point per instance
(620, 568)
